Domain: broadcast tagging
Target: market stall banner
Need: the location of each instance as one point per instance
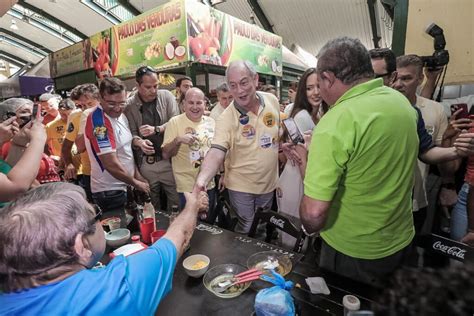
(218, 38)
(71, 59)
(104, 54)
(156, 38)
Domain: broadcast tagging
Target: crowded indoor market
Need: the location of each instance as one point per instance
(237, 157)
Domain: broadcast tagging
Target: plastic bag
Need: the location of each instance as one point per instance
(277, 300)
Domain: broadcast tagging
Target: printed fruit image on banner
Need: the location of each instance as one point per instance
(210, 35)
(104, 54)
(155, 38)
(217, 38)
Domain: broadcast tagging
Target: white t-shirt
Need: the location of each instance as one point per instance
(104, 134)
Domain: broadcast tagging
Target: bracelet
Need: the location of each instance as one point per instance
(306, 233)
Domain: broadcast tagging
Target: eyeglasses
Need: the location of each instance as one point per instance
(98, 214)
(112, 104)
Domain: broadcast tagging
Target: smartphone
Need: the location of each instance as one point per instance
(293, 131)
(36, 111)
(464, 112)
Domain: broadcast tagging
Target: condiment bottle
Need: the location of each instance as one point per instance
(149, 210)
(351, 303)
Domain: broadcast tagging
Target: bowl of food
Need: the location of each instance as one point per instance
(117, 237)
(268, 260)
(221, 274)
(196, 265)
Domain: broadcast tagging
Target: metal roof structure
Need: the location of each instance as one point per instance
(30, 29)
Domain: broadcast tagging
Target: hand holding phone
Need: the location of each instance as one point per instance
(36, 112)
(462, 107)
(295, 135)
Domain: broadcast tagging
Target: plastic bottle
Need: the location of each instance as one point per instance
(131, 208)
(149, 210)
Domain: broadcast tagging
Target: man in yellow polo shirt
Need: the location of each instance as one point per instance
(247, 131)
(56, 129)
(87, 95)
(187, 139)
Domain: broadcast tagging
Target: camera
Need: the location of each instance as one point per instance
(440, 56)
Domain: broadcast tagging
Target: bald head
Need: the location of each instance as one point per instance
(194, 104)
(194, 92)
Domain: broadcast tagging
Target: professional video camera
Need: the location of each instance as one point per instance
(440, 56)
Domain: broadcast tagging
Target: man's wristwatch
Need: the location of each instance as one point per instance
(157, 130)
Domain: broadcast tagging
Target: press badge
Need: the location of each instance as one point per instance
(194, 155)
(265, 141)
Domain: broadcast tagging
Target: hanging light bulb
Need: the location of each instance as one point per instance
(13, 26)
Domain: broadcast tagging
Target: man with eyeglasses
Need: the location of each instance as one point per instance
(384, 64)
(148, 111)
(109, 146)
(246, 137)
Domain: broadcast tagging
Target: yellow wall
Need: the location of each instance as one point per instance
(455, 17)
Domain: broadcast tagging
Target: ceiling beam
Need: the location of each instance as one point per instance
(373, 23)
(13, 59)
(13, 42)
(127, 5)
(400, 18)
(66, 26)
(25, 40)
(257, 9)
(389, 6)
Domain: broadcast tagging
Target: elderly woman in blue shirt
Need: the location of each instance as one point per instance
(52, 237)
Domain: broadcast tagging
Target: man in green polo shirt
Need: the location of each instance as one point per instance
(359, 177)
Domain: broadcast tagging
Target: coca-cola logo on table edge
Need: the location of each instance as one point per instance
(450, 250)
(278, 222)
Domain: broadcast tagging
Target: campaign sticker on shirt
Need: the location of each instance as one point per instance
(430, 129)
(194, 155)
(189, 130)
(248, 131)
(244, 119)
(100, 133)
(70, 128)
(275, 143)
(196, 145)
(269, 120)
(265, 141)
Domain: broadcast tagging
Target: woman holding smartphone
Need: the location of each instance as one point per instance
(307, 110)
(20, 167)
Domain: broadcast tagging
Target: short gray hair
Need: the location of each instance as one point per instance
(241, 63)
(347, 58)
(48, 96)
(12, 105)
(223, 87)
(38, 232)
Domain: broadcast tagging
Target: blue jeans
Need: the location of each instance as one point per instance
(112, 203)
(212, 204)
(459, 215)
